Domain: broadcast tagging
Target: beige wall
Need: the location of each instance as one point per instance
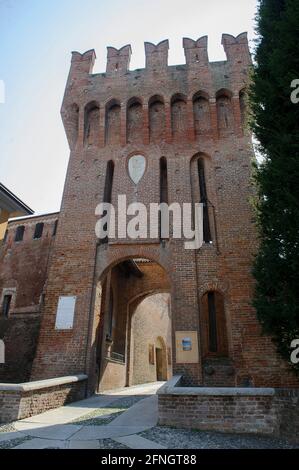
(114, 376)
(4, 215)
(150, 325)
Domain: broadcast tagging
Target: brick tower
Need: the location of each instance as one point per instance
(187, 125)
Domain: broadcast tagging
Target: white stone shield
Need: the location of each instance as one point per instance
(136, 168)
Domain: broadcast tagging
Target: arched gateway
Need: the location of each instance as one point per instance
(131, 306)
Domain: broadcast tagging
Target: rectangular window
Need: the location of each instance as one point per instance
(6, 305)
(204, 200)
(65, 313)
(38, 230)
(163, 190)
(213, 346)
(55, 228)
(108, 191)
(20, 233)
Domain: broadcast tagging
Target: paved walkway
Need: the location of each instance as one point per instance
(117, 416)
(120, 419)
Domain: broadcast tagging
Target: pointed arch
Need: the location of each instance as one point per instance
(91, 123)
(112, 122)
(134, 120)
(201, 113)
(156, 109)
(179, 115)
(225, 117)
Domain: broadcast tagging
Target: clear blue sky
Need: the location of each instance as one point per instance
(36, 39)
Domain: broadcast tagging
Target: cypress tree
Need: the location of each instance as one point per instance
(275, 123)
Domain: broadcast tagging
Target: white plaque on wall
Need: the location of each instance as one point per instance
(137, 165)
(65, 313)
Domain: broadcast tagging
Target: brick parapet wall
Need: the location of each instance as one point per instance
(248, 410)
(24, 400)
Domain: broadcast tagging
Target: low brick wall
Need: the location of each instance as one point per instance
(238, 410)
(18, 401)
(287, 405)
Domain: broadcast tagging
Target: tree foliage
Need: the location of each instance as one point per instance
(275, 123)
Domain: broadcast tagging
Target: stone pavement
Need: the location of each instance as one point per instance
(118, 415)
(120, 419)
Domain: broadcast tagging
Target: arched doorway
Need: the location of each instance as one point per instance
(132, 318)
(150, 340)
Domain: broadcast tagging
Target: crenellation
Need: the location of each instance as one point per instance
(118, 60)
(156, 55)
(82, 64)
(198, 83)
(236, 49)
(196, 52)
(187, 93)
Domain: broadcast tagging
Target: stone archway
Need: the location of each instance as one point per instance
(149, 329)
(119, 291)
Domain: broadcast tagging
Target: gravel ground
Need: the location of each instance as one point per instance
(9, 427)
(14, 442)
(99, 417)
(127, 402)
(107, 414)
(173, 438)
(110, 444)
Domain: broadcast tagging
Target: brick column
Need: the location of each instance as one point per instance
(123, 124)
(190, 120)
(168, 130)
(214, 119)
(237, 115)
(80, 140)
(102, 129)
(145, 124)
(184, 289)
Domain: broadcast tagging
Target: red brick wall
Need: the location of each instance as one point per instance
(244, 410)
(23, 268)
(19, 405)
(240, 414)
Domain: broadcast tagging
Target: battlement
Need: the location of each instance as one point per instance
(196, 54)
(121, 106)
(118, 60)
